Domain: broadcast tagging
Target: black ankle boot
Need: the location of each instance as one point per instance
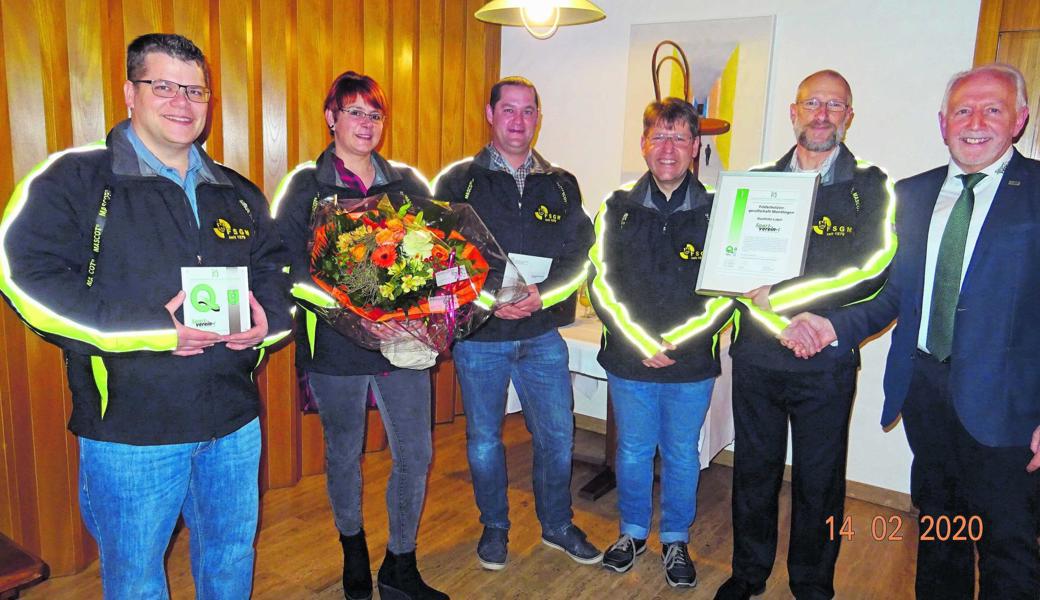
(399, 579)
(357, 577)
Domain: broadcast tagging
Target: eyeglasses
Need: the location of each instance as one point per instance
(358, 114)
(678, 139)
(814, 104)
(168, 89)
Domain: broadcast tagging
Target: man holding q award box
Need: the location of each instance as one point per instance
(814, 230)
(166, 411)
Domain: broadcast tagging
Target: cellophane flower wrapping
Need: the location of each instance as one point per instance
(409, 274)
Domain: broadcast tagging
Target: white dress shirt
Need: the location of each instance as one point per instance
(984, 190)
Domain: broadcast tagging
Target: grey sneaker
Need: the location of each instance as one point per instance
(572, 541)
(622, 555)
(493, 548)
(678, 566)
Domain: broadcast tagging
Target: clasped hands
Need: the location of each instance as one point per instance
(191, 341)
(807, 333)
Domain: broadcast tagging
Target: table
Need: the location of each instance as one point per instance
(590, 398)
(18, 568)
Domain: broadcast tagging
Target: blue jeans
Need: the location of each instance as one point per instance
(538, 368)
(403, 398)
(130, 498)
(649, 416)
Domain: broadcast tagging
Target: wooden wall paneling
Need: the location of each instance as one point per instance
(113, 60)
(60, 527)
(9, 502)
(378, 56)
(235, 40)
(1020, 15)
(453, 91)
(474, 132)
(25, 86)
(24, 71)
(281, 461)
(190, 18)
(281, 418)
(275, 18)
(85, 57)
(312, 445)
(429, 114)
(141, 17)
(313, 46)
(988, 31)
(313, 63)
(1022, 49)
(17, 431)
(214, 136)
(492, 58)
(404, 101)
(54, 49)
(348, 50)
(168, 18)
(39, 115)
(443, 387)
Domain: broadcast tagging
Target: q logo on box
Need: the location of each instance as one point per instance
(204, 298)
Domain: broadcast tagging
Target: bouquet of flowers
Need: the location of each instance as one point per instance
(408, 274)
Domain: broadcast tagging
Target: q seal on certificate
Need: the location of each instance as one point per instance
(758, 232)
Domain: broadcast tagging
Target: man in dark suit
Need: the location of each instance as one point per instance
(962, 367)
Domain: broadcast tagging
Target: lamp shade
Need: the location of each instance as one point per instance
(510, 12)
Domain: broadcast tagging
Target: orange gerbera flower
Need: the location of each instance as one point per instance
(384, 256)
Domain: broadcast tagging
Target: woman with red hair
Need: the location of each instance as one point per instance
(339, 374)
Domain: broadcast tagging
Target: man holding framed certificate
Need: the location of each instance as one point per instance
(850, 246)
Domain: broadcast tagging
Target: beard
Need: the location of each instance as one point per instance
(836, 136)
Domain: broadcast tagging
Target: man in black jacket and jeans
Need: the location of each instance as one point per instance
(850, 247)
(166, 415)
(534, 211)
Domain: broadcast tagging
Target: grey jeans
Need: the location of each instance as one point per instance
(403, 398)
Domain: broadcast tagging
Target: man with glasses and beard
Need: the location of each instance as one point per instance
(850, 247)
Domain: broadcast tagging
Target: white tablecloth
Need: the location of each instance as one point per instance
(590, 387)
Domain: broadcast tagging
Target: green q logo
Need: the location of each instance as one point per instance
(204, 299)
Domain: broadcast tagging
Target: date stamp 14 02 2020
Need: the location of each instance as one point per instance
(942, 528)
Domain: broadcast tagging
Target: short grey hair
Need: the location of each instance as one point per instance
(999, 69)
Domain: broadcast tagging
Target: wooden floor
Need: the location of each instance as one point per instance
(299, 556)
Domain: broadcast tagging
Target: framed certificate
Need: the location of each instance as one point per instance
(758, 232)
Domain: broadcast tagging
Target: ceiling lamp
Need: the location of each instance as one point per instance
(541, 18)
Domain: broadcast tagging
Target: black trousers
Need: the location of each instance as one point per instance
(966, 490)
(818, 405)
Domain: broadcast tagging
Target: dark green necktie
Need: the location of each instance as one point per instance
(946, 287)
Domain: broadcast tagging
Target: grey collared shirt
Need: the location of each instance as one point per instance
(826, 168)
